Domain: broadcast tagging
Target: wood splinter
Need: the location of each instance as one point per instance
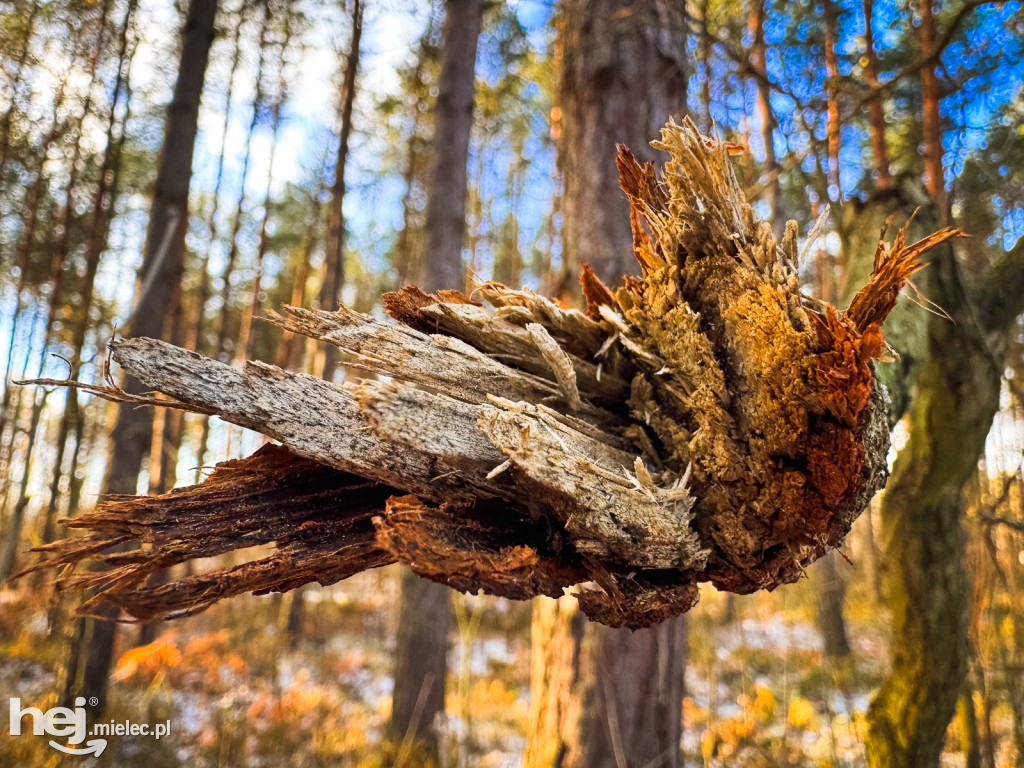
(703, 423)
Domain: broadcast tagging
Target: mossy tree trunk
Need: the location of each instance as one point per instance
(958, 380)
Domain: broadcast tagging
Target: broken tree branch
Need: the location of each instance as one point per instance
(704, 423)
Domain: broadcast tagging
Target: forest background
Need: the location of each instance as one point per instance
(316, 167)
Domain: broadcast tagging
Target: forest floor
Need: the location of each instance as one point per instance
(760, 692)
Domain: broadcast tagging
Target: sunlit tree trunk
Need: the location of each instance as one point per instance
(160, 273)
(425, 612)
(931, 120)
(765, 116)
(623, 75)
(832, 73)
(334, 257)
(876, 107)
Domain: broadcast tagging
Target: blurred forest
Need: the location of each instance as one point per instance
(175, 169)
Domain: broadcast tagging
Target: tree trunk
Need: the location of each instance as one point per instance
(622, 77)
(225, 350)
(334, 256)
(446, 206)
(245, 332)
(160, 273)
(605, 698)
(931, 119)
(425, 611)
(831, 591)
(958, 394)
(876, 107)
(759, 63)
(832, 72)
(609, 697)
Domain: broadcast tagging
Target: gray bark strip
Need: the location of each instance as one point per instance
(433, 360)
(514, 344)
(314, 418)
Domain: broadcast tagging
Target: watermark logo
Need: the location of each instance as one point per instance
(65, 722)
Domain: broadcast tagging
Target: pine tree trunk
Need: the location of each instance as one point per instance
(245, 332)
(766, 118)
(604, 698)
(622, 78)
(832, 72)
(425, 612)
(160, 273)
(334, 257)
(446, 208)
(831, 591)
(876, 109)
(931, 119)
(608, 697)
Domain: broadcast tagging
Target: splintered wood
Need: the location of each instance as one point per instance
(704, 423)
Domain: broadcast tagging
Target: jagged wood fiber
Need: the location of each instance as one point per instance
(704, 423)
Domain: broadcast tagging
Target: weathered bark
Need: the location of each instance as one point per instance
(609, 46)
(743, 486)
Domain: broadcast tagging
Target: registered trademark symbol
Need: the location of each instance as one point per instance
(93, 701)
